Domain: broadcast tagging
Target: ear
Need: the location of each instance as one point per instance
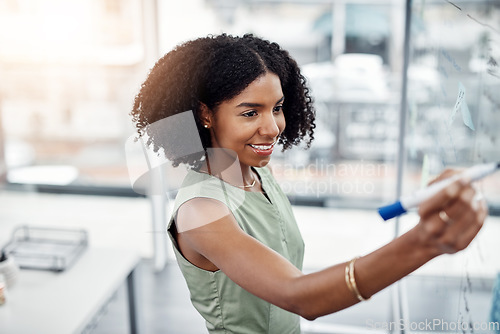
(205, 115)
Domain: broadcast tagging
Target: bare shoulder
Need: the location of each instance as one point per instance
(199, 212)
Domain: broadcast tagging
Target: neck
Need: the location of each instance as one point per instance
(230, 170)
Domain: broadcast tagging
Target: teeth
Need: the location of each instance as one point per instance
(262, 147)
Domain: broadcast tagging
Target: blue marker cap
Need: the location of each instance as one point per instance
(391, 211)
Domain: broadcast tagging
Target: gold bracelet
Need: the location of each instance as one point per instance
(348, 276)
(350, 280)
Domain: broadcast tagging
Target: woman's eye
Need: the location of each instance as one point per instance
(278, 109)
(250, 113)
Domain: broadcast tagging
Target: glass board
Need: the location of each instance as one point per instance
(453, 120)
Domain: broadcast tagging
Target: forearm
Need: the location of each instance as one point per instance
(392, 262)
(326, 291)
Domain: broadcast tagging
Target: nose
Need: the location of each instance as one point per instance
(269, 126)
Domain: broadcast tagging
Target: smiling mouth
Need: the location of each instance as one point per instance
(263, 147)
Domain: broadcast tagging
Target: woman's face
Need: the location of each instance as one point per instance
(251, 123)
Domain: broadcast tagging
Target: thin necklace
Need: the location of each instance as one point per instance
(249, 185)
(245, 186)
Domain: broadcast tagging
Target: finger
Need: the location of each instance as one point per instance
(460, 233)
(465, 238)
(479, 200)
(483, 211)
(463, 203)
(434, 226)
(446, 228)
(464, 225)
(447, 173)
(442, 198)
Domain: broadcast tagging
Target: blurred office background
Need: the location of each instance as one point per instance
(70, 69)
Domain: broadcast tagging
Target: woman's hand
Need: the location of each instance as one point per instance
(451, 219)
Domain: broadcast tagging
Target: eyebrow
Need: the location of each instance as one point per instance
(256, 105)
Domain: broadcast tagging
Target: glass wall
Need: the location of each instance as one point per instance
(453, 76)
(452, 121)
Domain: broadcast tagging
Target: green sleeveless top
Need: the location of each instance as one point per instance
(225, 306)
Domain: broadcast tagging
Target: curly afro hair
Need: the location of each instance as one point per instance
(212, 70)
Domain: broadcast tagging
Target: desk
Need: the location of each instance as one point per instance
(63, 303)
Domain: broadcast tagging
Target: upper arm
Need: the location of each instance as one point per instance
(207, 227)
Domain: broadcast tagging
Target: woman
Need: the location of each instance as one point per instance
(233, 230)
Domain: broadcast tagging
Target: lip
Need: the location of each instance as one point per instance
(263, 152)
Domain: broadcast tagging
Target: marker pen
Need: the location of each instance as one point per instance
(410, 201)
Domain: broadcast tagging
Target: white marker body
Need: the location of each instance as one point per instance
(474, 173)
